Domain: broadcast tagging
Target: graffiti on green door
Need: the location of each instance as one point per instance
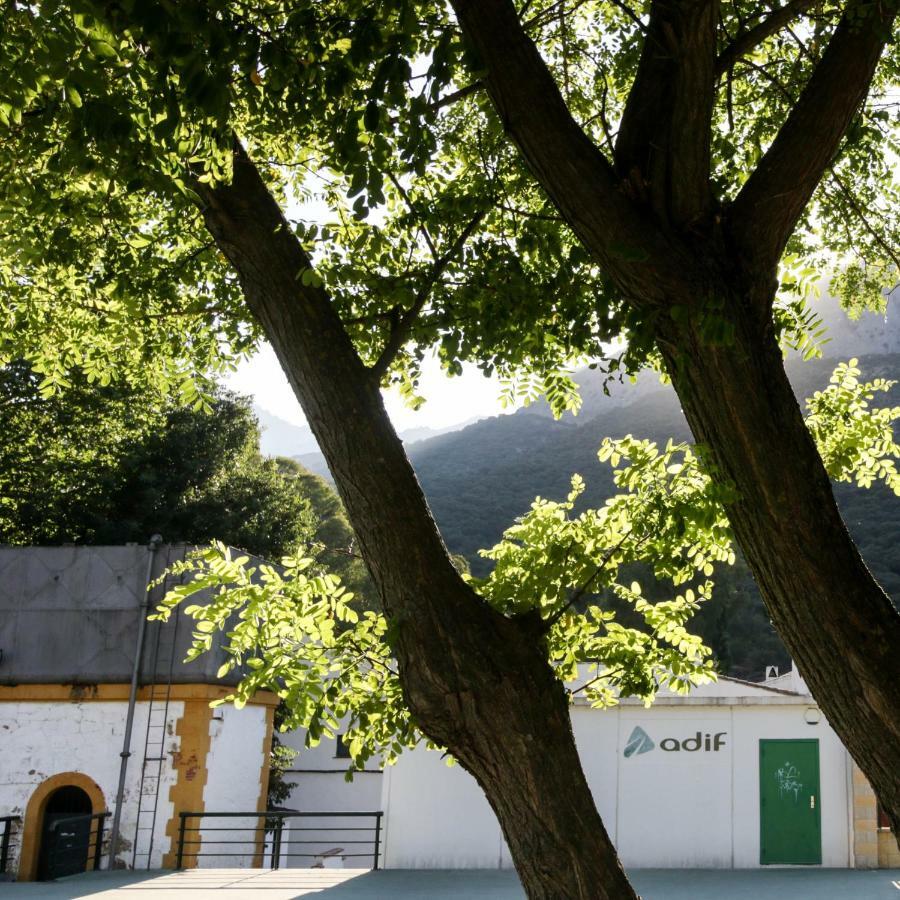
(786, 776)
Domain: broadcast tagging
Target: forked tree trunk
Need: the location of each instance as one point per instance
(835, 620)
(475, 681)
(831, 613)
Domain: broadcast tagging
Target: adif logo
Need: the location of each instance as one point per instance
(638, 743)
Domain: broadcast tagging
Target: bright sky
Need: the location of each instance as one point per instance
(450, 401)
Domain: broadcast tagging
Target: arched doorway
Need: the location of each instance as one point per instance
(65, 833)
(67, 799)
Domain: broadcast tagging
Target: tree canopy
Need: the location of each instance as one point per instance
(515, 186)
(116, 464)
(435, 231)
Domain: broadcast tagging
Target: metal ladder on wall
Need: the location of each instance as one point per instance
(159, 690)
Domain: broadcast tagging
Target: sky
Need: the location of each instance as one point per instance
(449, 401)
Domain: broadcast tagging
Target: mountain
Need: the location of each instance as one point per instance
(282, 438)
(480, 478)
(871, 333)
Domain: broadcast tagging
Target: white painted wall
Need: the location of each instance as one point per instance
(236, 756)
(318, 776)
(233, 784)
(329, 791)
(674, 808)
(597, 737)
(320, 786)
(436, 817)
(663, 809)
(42, 739)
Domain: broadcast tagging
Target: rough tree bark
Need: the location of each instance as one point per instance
(832, 615)
(836, 621)
(464, 667)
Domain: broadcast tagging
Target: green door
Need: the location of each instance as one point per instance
(789, 813)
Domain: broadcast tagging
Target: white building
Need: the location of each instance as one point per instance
(320, 786)
(736, 775)
(69, 620)
(319, 778)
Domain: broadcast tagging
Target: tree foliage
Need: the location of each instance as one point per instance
(114, 464)
(516, 187)
(332, 543)
(362, 109)
(301, 633)
(856, 442)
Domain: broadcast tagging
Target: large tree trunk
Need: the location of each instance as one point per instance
(835, 620)
(475, 681)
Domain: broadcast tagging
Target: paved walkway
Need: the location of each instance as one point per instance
(349, 884)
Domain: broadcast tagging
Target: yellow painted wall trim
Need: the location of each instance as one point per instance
(100, 693)
(263, 802)
(190, 764)
(34, 816)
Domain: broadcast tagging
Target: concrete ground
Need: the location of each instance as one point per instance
(349, 884)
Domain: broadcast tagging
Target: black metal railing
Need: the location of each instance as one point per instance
(72, 844)
(271, 838)
(6, 841)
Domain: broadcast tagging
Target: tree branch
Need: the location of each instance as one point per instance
(411, 207)
(604, 121)
(401, 326)
(767, 209)
(606, 673)
(457, 95)
(573, 171)
(369, 318)
(630, 13)
(549, 14)
(528, 214)
(582, 589)
(663, 145)
(748, 41)
(877, 236)
(367, 460)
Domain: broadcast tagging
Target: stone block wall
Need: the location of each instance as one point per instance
(888, 851)
(873, 847)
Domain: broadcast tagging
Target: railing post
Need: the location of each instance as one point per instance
(179, 856)
(377, 838)
(101, 821)
(4, 844)
(276, 843)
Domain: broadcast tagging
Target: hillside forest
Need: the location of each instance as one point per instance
(479, 479)
(196, 476)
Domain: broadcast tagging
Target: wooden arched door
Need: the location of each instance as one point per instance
(65, 833)
(33, 826)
